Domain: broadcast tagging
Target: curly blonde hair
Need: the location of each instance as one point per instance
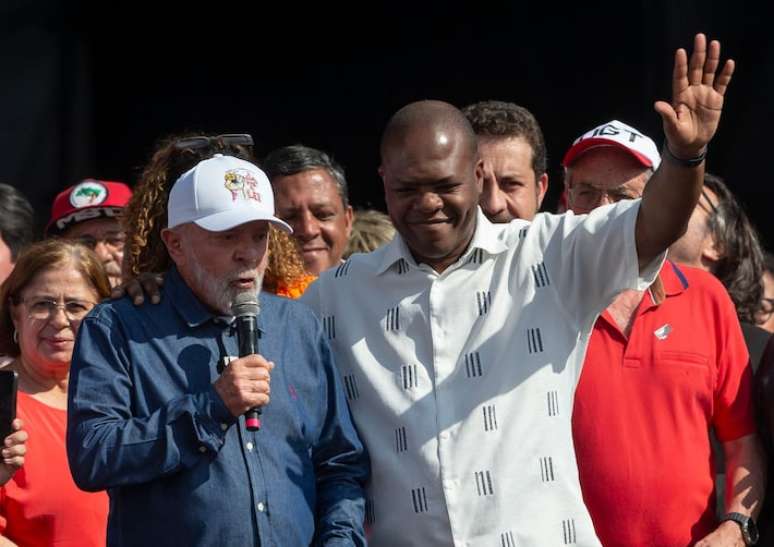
(145, 216)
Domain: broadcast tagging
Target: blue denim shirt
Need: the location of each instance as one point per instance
(145, 422)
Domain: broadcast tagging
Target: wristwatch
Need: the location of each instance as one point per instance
(747, 524)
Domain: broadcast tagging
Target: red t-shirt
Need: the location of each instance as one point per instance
(41, 505)
(644, 406)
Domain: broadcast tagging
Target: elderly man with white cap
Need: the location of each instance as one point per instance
(158, 394)
(663, 366)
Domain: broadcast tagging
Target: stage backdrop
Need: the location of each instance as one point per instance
(87, 90)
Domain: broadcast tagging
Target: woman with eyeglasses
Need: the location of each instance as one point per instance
(54, 285)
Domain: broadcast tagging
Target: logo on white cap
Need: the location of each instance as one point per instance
(221, 193)
(619, 135)
(88, 194)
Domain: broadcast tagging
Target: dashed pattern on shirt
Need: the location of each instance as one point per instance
(540, 274)
(329, 326)
(419, 498)
(403, 266)
(401, 445)
(506, 539)
(484, 485)
(547, 469)
(370, 514)
(534, 341)
(476, 257)
(342, 270)
(568, 532)
(408, 376)
(350, 385)
(393, 319)
(484, 300)
(473, 365)
(490, 418)
(552, 398)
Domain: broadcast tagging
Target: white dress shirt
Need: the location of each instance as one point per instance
(461, 384)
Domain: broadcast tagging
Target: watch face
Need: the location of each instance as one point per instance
(750, 530)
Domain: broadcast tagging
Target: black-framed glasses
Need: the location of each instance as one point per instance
(203, 141)
(43, 309)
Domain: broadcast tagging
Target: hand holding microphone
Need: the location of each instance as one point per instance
(244, 385)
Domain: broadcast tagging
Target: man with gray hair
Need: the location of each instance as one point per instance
(663, 366)
(311, 195)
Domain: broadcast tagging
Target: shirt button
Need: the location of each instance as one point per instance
(444, 435)
(261, 506)
(202, 449)
(223, 427)
(249, 446)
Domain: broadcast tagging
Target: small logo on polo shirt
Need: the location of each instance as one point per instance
(663, 331)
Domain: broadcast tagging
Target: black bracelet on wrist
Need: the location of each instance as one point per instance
(691, 162)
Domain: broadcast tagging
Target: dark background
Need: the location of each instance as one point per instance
(87, 90)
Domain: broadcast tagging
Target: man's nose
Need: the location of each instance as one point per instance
(307, 227)
(492, 200)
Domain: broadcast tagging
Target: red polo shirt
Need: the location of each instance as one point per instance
(644, 405)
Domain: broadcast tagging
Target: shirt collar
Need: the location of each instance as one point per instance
(487, 236)
(673, 278)
(183, 299)
(191, 309)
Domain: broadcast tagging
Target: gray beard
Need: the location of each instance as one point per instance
(218, 291)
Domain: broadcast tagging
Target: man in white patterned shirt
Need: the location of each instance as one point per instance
(461, 341)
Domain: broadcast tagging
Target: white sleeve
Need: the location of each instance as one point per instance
(594, 257)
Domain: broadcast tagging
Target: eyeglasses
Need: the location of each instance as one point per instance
(586, 196)
(43, 309)
(230, 139)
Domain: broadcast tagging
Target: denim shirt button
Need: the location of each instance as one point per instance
(249, 446)
(202, 449)
(223, 427)
(261, 506)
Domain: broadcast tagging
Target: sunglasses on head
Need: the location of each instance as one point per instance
(230, 139)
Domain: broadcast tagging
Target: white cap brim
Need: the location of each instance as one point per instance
(226, 220)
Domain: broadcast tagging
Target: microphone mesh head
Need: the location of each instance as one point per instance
(245, 304)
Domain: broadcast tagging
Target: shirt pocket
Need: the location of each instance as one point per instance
(685, 376)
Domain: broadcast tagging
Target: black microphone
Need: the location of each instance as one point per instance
(245, 310)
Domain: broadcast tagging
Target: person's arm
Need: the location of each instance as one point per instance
(745, 487)
(107, 446)
(5, 542)
(690, 122)
(341, 465)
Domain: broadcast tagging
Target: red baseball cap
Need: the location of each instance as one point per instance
(87, 200)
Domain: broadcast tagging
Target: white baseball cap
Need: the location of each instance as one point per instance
(619, 135)
(220, 193)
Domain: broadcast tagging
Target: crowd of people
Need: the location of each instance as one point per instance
(464, 370)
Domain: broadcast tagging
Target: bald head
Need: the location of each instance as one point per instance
(433, 124)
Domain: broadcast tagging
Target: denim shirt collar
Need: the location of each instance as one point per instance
(187, 304)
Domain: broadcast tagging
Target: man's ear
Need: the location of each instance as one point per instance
(479, 174)
(711, 252)
(173, 239)
(542, 188)
(349, 217)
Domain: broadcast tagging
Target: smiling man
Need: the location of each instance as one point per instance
(461, 355)
(157, 395)
(311, 194)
